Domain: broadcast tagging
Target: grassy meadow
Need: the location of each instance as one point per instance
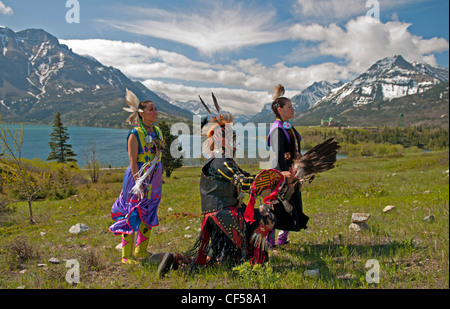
(411, 252)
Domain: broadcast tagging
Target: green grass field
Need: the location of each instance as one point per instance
(410, 252)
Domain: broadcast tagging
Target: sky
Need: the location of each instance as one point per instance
(240, 50)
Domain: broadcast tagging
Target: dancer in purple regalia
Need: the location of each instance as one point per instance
(135, 211)
(285, 142)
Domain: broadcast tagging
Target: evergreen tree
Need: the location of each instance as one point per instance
(60, 150)
(168, 162)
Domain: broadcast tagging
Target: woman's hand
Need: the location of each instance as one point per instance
(289, 176)
(141, 192)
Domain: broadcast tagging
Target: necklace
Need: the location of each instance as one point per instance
(286, 124)
(148, 138)
(149, 127)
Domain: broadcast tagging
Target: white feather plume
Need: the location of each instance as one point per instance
(133, 102)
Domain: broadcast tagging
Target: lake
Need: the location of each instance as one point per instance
(110, 144)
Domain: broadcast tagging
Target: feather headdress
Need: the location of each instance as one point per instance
(217, 129)
(133, 103)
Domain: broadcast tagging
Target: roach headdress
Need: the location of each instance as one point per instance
(278, 92)
(217, 133)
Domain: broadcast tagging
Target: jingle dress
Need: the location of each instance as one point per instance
(128, 211)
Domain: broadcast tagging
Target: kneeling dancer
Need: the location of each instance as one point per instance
(226, 236)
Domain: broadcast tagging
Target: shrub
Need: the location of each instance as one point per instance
(261, 275)
(92, 259)
(20, 250)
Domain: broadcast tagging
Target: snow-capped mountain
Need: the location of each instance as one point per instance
(389, 78)
(39, 76)
(377, 90)
(194, 106)
(301, 102)
(197, 108)
(308, 97)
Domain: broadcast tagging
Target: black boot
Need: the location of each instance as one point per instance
(164, 261)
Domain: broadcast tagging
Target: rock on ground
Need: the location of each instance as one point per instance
(360, 217)
(78, 228)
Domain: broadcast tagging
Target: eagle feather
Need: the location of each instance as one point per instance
(318, 159)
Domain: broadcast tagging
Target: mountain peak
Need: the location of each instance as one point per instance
(37, 35)
(389, 63)
(388, 78)
(6, 31)
(402, 63)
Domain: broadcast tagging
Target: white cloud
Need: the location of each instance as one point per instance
(245, 80)
(220, 28)
(5, 10)
(326, 11)
(329, 9)
(236, 101)
(355, 46)
(132, 57)
(361, 43)
(140, 62)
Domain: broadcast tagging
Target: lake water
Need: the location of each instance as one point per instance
(110, 144)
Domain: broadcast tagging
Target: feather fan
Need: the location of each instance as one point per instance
(318, 159)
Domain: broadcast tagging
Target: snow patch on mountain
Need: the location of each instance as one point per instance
(387, 79)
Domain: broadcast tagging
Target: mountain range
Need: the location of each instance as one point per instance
(301, 102)
(39, 77)
(377, 91)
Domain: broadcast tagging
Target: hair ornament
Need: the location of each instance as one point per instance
(133, 103)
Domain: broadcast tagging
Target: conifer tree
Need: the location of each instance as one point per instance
(60, 150)
(169, 163)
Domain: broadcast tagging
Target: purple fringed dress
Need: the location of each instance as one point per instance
(128, 211)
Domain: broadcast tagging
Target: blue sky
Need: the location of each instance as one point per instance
(241, 49)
